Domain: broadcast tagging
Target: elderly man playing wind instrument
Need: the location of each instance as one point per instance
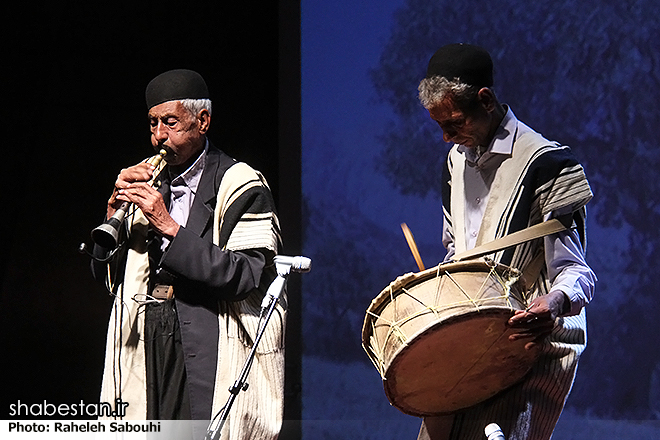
(196, 260)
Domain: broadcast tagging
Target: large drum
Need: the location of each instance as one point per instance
(439, 338)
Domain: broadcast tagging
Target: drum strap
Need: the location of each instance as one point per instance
(539, 230)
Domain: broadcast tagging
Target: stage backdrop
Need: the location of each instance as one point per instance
(584, 73)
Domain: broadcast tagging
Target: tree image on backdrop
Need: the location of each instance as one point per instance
(584, 74)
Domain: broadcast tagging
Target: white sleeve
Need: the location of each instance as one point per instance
(568, 270)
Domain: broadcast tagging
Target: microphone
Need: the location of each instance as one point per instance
(494, 432)
(83, 249)
(297, 264)
(293, 264)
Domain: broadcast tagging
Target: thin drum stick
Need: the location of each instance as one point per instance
(412, 245)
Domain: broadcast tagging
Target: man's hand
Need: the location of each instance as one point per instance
(131, 186)
(538, 320)
(137, 173)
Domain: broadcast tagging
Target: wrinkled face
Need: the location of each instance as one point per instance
(179, 132)
(470, 129)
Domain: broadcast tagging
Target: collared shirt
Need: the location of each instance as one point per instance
(183, 189)
(480, 172)
(567, 267)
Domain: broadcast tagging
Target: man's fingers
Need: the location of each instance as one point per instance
(137, 173)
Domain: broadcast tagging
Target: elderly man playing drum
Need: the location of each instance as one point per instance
(501, 177)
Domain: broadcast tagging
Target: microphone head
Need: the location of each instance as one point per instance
(296, 264)
(494, 432)
(301, 264)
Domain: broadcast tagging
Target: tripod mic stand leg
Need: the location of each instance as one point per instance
(214, 432)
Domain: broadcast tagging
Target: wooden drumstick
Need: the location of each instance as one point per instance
(412, 245)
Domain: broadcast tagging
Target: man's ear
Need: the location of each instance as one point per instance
(204, 120)
(487, 99)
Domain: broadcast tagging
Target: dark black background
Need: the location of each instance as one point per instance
(74, 115)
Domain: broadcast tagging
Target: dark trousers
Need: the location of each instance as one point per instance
(167, 390)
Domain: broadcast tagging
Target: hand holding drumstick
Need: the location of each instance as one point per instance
(537, 321)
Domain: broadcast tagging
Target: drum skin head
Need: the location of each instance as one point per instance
(456, 364)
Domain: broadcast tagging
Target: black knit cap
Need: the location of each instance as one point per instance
(174, 85)
(472, 65)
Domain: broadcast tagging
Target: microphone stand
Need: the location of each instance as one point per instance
(272, 296)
